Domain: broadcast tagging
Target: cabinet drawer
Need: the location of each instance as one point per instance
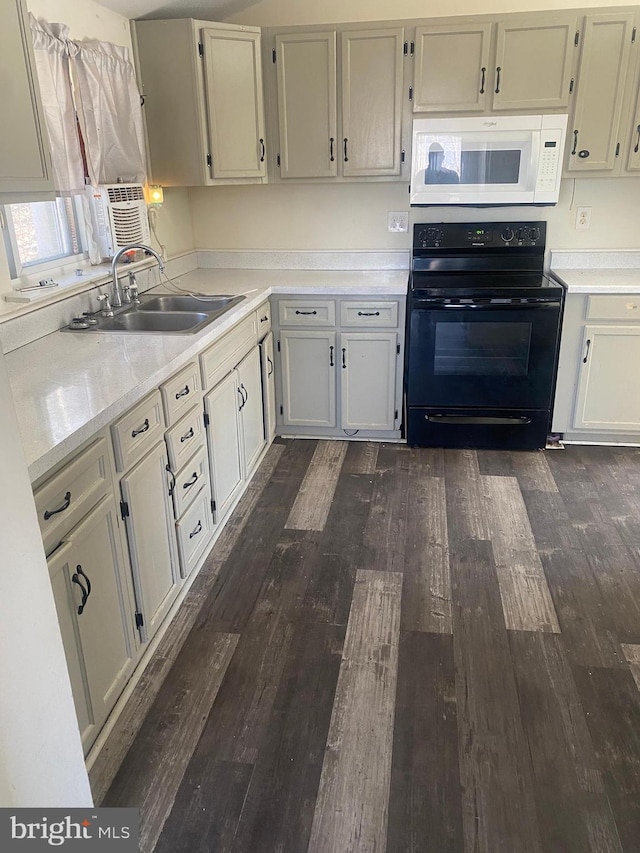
(185, 438)
(137, 431)
(613, 307)
(368, 314)
(195, 530)
(180, 393)
(223, 356)
(307, 312)
(69, 495)
(264, 320)
(189, 480)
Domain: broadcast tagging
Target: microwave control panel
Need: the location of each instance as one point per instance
(550, 160)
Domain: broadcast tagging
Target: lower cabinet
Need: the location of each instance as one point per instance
(92, 593)
(368, 380)
(308, 375)
(148, 514)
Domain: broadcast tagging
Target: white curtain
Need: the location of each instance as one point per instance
(108, 104)
(50, 42)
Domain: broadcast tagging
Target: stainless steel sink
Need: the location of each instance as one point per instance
(153, 321)
(205, 304)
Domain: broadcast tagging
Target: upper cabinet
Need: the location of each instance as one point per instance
(519, 63)
(204, 117)
(24, 152)
(337, 103)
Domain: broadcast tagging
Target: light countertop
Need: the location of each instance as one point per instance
(68, 386)
(599, 280)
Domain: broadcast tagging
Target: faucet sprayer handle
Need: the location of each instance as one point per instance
(107, 310)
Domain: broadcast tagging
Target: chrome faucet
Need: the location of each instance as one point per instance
(116, 300)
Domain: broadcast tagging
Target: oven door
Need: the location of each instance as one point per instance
(488, 353)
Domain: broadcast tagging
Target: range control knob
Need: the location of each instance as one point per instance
(534, 234)
(507, 235)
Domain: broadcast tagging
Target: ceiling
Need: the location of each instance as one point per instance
(204, 10)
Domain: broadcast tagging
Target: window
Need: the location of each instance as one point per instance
(41, 234)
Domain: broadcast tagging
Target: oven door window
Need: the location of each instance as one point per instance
(482, 349)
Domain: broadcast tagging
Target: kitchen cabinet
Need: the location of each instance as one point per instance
(340, 370)
(267, 366)
(25, 162)
(364, 90)
(204, 117)
(532, 67)
(607, 60)
(89, 579)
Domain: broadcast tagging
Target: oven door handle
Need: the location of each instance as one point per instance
(427, 305)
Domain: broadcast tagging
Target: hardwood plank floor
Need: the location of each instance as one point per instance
(400, 649)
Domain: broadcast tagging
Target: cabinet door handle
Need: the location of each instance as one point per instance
(192, 481)
(262, 151)
(346, 159)
(307, 313)
(484, 72)
(330, 356)
(498, 71)
(245, 392)
(196, 530)
(172, 487)
(86, 592)
(187, 435)
(145, 426)
(637, 145)
(243, 399)
(331, 157)
(368, 313)
(64, 505)
(270, 363)
(575, 142)
(344, 357)
(586, 355)
(182, 393)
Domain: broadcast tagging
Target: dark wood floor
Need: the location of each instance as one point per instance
(393, 649)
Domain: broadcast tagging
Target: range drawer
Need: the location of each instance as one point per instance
(185, 438)
(223, 356)
(137, 431)
(195, 530)
(189, 480)
(369, 314)
(307, 312)
(69, 495)
(264, 320)
(613, 307)
(180, 393)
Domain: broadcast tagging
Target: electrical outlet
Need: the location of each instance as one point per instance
(398, 221)
(583, 218)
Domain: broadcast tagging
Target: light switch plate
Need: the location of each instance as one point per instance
(398, 221)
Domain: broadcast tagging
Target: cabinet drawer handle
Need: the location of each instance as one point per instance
(484, 72)
(192, 481)
(575, 142)
(187, 435)
(262, 151)
(368, 313)
(86, 592)
(196, 530)
(586, 355)
(637, 145)
(145, 426)
(182, 393)
(331, 157)
(270, 363)
(307, 313)
(344, 357)
(498, 70)
(264, 319)
(330, 356)
(346, 159)
(65, 505)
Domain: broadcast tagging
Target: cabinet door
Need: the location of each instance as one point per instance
(368, 380)
(308, 369)
(633, 161)
(306, 72)
(608, 396)
(600, 89)
(89, 571)
(372, 68)
(251, 411)
(24, 150)
(267, 364)
(451, 68)
(225, 459)
(534, 59)
(233, 85)
(151, 535)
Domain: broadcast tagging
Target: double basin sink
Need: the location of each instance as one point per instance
(174, 314)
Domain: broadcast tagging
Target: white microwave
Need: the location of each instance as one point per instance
(487, 160)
